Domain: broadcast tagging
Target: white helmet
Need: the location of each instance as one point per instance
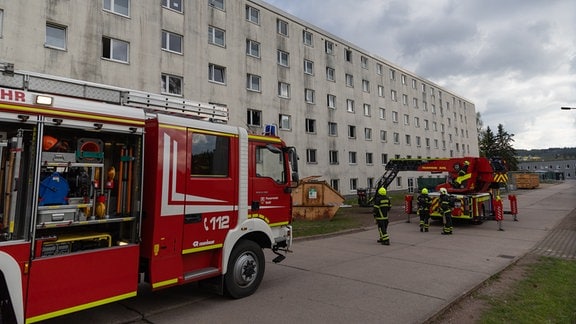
(443, 191)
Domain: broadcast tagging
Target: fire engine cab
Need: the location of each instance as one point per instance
(104, 188)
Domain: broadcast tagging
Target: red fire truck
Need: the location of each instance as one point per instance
(102, 189)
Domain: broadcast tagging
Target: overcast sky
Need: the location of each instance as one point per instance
(514, 59)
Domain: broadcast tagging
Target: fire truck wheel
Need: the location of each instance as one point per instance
(245, 269)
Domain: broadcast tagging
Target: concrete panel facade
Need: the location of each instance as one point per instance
(345, 128)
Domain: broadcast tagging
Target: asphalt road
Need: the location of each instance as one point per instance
(352, 279)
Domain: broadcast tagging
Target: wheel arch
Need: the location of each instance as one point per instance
(12, 276)
(253, 229)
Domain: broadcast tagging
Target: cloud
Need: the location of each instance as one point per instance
(514, 59)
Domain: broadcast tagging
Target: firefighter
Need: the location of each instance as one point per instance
(446, 205)
(463, 176)
(381, 207)
(424, 201)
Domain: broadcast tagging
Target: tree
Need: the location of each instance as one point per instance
(498, 145)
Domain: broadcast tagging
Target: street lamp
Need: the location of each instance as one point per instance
(567, 108)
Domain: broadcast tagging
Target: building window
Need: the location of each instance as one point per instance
(329, 47)
(417, 122)
(307, 38)
(367, 110)
(310, 125)
(351, 131)
(350, 105)
(379, 69)
(55, 36)
(173, 4)
(333, 157)
(216, 73)
(253, 82)
(335, 184)
(382, 113)
(348, 55)
(403, 79)
(418, 141)
(252, 48)
(218, 4)
(369, 158)
(1, 22)
(283, 58)
(283, 90)
(309, 95)
(331, 101)
(352, 157)
(216, 36)
(171, 42)
(384, 158)
(349, 80)
(311, 156)
(121, 7)
(368, 134)
(114, 49)
(285, 121)
(330, 74)
(415, 102)
(396, 138)
(393, 95)
(395, 116)
(406, 120)
(383, 136)
(353, 184)
(405, 100)
(427, 141)
(364, 62)
(253, 15)
(365, 85)
(332, 129)
(254, 117)
(380, 91)
(282, 27)
(392, 75)
(171, 84)
(308, 67)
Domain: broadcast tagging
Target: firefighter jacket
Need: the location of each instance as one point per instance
(446, 203)
(381, 207)
(424, 202)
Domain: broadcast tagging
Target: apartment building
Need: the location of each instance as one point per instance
(345, 110)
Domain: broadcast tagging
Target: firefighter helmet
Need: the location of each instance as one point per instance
(466, 163)
(382, 191)
(424, 191)
(443, 191)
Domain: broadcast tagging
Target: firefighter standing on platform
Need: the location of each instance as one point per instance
(424, 201)
(381, 207)
(446, 211)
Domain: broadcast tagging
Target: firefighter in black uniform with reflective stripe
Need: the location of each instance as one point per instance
(446, 205)
(381, 207)
(424, 201)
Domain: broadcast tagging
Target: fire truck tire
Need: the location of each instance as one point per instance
(245, 269)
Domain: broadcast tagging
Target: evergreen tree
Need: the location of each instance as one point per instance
(498, 145)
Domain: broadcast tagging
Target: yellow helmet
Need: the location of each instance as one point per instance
(424, 191)
(443, 191)
(466, 163)
(382, 191)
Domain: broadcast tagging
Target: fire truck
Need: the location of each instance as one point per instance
(472, 182)
(103, 189)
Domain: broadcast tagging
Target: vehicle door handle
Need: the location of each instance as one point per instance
(192, 218)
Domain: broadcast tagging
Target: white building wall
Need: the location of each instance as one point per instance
(23, 43)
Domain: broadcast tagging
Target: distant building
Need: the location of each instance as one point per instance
(346, 110)
(555, 169)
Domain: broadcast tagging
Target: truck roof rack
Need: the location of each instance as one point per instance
(153, 103)
(149, 102)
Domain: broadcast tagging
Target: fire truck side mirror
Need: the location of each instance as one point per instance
(293, 162)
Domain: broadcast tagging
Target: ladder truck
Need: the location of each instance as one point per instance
(103, 189)
(472, 182)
